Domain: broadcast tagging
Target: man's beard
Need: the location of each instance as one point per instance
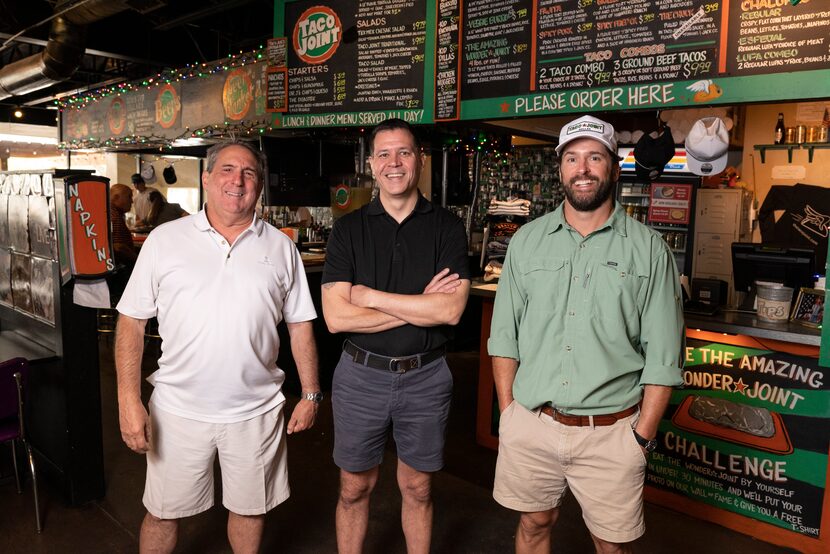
(590, 203)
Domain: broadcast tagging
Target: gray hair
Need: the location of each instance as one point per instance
(261, 160)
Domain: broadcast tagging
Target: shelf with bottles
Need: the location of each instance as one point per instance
(809, 146)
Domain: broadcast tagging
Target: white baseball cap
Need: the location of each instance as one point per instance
(148, 173)
(707, 145)
(588, 127)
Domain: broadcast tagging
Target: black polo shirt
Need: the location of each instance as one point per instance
(368, 247)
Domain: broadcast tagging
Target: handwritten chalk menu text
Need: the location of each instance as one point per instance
(592, 43)
(448, 59)
(496, 51)
(774, 37)
(355, 56)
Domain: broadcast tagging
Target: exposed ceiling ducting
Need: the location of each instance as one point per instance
(64, 50)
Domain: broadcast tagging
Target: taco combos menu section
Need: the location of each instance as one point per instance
(355, 57)
(592, 43)
(773, 37)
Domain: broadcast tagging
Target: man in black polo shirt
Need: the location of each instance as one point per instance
(396, 278)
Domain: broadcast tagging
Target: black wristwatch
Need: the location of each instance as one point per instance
(648, 445)
(315, 397)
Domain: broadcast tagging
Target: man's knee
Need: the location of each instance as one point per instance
(356, 487)
(416, 490)
(538, 523)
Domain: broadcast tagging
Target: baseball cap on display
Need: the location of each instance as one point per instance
(652, 154)
(707, 145)
(149, 174)
(169, 175)
(588, 127)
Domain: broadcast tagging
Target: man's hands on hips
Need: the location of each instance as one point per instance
(302, 418)
(135, 426)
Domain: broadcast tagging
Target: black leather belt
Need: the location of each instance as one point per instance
(387, 363)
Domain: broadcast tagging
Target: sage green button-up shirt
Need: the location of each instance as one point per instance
(589, 319)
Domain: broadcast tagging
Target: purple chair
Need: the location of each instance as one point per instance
(13, 377)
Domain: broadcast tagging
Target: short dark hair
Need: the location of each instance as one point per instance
(391, 125)
(261, 160)
(137, 178)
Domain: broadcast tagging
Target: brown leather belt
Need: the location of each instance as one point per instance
(585, 421)
(387, 363)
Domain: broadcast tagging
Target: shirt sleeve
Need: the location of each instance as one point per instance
(338, 265)
(454, 248)
(507, 312)
(139, 298)
(298, 306)
(662, 327)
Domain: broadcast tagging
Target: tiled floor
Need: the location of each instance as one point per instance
(467, 520)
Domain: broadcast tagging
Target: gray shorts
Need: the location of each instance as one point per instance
(367, 402)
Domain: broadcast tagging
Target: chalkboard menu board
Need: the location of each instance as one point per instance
(448, 60)
(773, 38)
(348, 59)
(355, 63)
(585, 44)
(496, 53)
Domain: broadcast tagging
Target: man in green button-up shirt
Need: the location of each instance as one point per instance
(587, 322)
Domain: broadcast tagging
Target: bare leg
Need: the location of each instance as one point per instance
(158, 536)
(416, 508)
(245, 532)
(352, 516)
(605, 547)
(533, 534)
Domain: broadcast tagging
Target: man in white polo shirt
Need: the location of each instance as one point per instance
(219, 282)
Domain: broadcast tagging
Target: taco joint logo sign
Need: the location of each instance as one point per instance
(317, 34)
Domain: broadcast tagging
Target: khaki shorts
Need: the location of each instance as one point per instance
(252, 458)
(539, 459)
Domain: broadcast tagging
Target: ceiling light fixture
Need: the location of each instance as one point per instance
(18, 113)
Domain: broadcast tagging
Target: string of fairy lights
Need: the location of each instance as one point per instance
(227, 129)
(191, 71)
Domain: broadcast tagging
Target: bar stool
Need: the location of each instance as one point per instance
(13, 378)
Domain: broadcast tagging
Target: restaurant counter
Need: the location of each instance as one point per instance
(745, 442)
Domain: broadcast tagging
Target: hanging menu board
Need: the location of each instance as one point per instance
(353, 63)
(496, 47)
(611, 42)
(448, 60)
(770, 37)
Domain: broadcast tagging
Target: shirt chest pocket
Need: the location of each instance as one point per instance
(546, 282)
(618, 294)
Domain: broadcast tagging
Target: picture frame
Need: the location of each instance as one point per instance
(809, 307)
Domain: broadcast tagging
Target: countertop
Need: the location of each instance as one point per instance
(735, 323)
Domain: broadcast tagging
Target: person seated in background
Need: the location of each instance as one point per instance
(162, 211)
(142, 199)
(124, 252)
(123, 247)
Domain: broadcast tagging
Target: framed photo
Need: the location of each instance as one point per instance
(809, 307)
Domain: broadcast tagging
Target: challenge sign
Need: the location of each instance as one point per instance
(317, 34)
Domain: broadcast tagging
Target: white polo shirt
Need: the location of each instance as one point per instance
(218, 307)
